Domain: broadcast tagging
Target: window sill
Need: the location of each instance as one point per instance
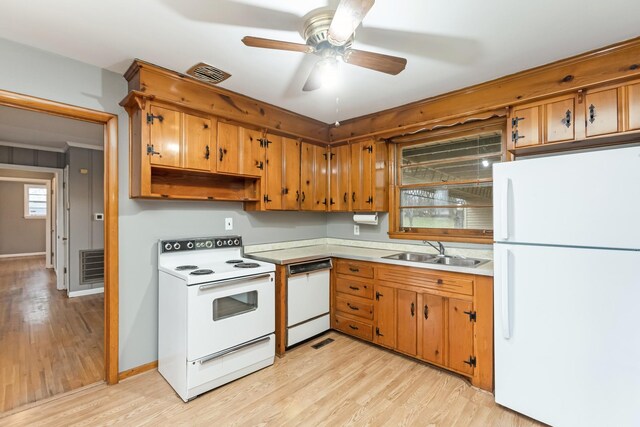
(462, 236)
(35, 217)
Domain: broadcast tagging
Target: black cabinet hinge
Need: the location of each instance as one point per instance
(471, 362)
(150, 118)
(264, 142)
(378, 295)
(266, 198)
(472, 315)
(378, 332)
(259, 164)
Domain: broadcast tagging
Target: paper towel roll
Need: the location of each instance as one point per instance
(369, 219)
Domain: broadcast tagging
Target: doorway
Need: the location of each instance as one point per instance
(108, 122)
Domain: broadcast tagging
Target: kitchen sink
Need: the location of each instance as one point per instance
(410, 256)
(454, 261)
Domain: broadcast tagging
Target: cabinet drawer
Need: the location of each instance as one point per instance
(354, 268)
(353, 307)
(354, 287)
(428, 279)
(354, 327)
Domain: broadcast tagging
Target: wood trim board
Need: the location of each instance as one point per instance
(137, 370)
(110, 123)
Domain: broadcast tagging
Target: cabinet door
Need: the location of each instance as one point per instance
(307, 173)
(319, 178)
(432, 328)
(252, 152)
(407, 328)
(633, 106)
(197, 143)
(460, 336)
(560, 121)
(602, 112)
(274, 160)
(228, 148)
(525, 127)
(164, 133)
(385, 316)
(339, 181)
(291, 184)
(355, 198)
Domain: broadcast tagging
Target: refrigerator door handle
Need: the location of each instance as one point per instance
(504, 294)
(503, 233)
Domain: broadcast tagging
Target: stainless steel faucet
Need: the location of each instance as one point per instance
(440, 248)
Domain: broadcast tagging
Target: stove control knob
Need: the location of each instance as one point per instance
(176, 246)
(229, 242)
(167, 246)
(208, 244)
(236, 242)
(190, 245)
(218, 242)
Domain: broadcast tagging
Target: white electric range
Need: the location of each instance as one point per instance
(216, 313)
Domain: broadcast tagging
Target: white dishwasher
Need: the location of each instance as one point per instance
(307, 299)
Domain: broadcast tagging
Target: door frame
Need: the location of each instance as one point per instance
(110, 123)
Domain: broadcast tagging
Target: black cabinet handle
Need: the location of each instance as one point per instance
(352, 307)
(221, 154)
(353, 269)
(355, 328)
(592, 113)
(206, 152)
(426, 311)
(303, 196)
(413, 309)
(331, 202)
(567, 119)
(297, 195)
(355, 288)
(439, 282)
(345, 197)
(353, 196)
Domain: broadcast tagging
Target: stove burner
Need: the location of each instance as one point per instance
(234, 261)
(247, 265)
(201, 272)
(186, 267)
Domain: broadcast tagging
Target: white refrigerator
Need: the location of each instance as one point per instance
(567, 287)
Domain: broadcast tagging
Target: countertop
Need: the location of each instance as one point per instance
(308, 253)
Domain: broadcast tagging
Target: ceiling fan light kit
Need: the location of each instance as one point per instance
(330, 35)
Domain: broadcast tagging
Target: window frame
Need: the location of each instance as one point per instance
(28, 215)
(438, 136)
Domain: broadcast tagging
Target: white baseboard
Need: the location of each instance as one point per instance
(73, 294)
(22, 255)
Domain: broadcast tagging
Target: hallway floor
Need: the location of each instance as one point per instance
(49, 344)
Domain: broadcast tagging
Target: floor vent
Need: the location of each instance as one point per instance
(91, 266)
(208, 73)
(322, 343)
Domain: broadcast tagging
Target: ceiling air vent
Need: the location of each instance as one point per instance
(208, 73)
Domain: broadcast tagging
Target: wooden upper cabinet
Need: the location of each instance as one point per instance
(633, 107)
(165, 136)
(525, 127)
(252, 152)
(406, 321)
(198, 137)
(385, 314)
(461, 354)
(560, 120)
(274, 161)
(601, 112)
(291, 174)
(339, 199)
(227, 151)
(369, 177)
(355, 166)
(313, 178)
(432, 328)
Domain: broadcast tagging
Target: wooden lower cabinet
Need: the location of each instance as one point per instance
(442, 318)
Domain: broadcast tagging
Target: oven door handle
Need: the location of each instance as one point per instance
(239, 279)
(235, 349)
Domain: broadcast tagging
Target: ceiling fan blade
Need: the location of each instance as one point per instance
(314, 81)
(276, 44)
(375, 61)
(348, 16)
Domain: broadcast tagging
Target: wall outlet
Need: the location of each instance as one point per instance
(228, 223)
(356, 230)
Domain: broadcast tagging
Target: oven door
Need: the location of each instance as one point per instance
(230, 312)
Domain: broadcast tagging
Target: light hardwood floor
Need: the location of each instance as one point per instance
(347, 382)
(49, 344)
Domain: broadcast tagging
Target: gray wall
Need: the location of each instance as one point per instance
(141, 223)
(29, 157)
(86, 197)
(17, 234)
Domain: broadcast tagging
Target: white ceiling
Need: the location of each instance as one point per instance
(28, 128)
(448, 44)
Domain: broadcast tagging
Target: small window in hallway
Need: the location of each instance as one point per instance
(35, 201)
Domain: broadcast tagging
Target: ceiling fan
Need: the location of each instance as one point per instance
(329, 35)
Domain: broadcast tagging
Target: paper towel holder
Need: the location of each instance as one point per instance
(366, 219)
